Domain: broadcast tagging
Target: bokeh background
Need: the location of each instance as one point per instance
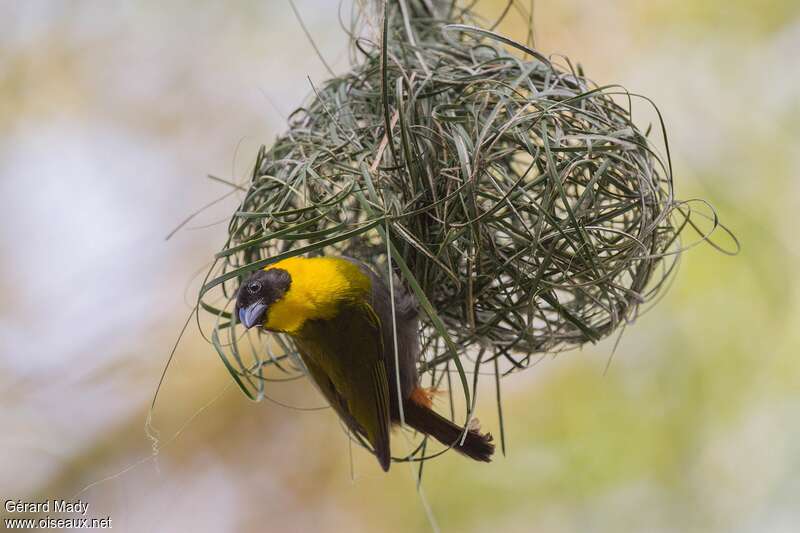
(112, 114)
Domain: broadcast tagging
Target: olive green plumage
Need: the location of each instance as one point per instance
(358, 342)
(344, 357)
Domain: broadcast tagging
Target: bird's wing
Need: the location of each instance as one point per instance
(344, 357)
(404, 330)
(328, 390)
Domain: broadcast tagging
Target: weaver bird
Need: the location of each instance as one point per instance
(339, 313)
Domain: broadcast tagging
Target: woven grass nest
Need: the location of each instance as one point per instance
(514, 196)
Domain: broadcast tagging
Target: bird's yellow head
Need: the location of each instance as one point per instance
(284, 295)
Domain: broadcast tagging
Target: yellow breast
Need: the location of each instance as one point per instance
(320, 286)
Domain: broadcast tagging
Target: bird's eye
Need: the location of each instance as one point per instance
(254, 287)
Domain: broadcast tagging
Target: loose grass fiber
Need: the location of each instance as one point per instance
(515, 197)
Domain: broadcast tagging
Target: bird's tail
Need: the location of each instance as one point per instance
(419, 415)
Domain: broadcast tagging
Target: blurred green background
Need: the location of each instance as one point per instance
(111, 114)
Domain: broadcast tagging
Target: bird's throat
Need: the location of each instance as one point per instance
(320, 287)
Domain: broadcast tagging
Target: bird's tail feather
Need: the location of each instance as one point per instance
(476, 445)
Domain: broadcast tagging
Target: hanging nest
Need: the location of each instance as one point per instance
(515, 197)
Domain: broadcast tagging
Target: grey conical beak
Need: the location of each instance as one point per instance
(252, 315)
